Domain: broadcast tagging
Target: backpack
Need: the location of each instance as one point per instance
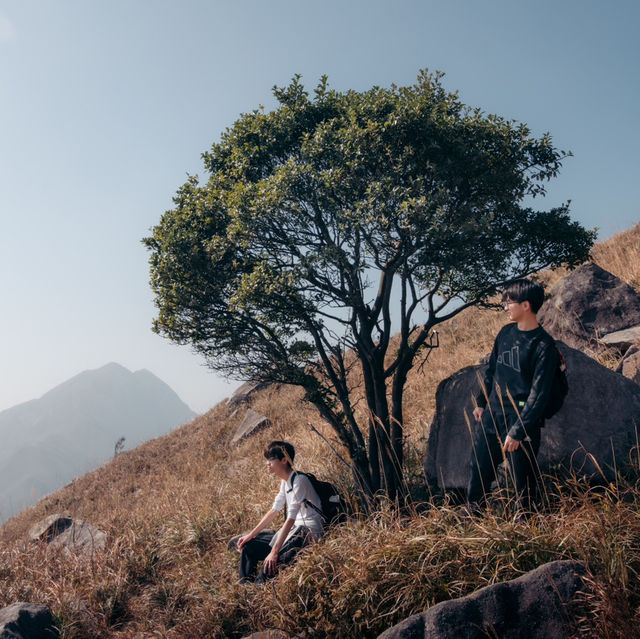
(333, 505)
(559, 387)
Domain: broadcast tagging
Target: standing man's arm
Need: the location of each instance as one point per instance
(533, 410)
(510, 445)
(486, 383)
(263, 523)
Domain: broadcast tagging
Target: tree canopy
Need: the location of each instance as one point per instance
(338, 221)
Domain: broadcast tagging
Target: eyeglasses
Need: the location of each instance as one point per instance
(508, 303)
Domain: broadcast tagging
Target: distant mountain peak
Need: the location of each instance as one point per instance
(113, 366)
(73, 428)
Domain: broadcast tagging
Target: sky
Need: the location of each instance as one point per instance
(106, 106)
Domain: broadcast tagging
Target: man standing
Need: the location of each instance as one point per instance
(510, 405)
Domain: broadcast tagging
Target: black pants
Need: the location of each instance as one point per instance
(522, 467)
(258, 548)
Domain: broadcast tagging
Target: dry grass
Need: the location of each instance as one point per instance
(620, 255)
(171, 505)
(416, 561)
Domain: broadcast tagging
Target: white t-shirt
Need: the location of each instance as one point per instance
(293, 493)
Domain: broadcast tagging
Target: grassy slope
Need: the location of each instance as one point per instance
(171, 505)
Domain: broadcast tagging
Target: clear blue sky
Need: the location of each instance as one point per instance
(105, 105)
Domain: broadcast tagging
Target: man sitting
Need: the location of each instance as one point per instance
(303, 523)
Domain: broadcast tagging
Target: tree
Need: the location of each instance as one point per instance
(334, 223)
(118, 447)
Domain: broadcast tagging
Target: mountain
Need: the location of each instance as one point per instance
(74, 427)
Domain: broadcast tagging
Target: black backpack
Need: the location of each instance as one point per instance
(559, 387)
(333, 505)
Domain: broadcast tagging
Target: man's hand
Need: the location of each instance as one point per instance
(477, 413)
(510, 445)
(271, 562)
(243, 540)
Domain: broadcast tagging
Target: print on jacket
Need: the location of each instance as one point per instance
(510, 358)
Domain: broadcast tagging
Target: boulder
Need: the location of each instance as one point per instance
(26, 621)
(242, 394)
(622, 339)
(449, 435)
(587, 304)
(542, 604)
(50, 527)
(629, 365)
(61, 531)
(597, 421)
(251, 424)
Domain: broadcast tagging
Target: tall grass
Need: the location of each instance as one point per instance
(170, 506)
(620, 255)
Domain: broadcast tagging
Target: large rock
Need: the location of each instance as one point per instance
(599, 416)
(60, 531)
(622, 339)
(243, 393)
(26, 621)
(630, 365)
(50, 527)
(588, 304)
(251, 424)
(539, 605)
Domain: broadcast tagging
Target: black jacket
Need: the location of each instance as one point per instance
(518, 380)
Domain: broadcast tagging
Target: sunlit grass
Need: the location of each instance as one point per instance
(620, 255)
(170, 507)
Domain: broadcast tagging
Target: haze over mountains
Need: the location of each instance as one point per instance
(73, 429)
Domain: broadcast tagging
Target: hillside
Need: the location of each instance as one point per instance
(74, 427)
(170, 506)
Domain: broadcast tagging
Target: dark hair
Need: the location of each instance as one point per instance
(280, 450)
(524, 291)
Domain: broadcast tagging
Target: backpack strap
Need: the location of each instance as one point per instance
(562, 362)
(294, 474)
(541, 339)
(288, 490)
(305, 501)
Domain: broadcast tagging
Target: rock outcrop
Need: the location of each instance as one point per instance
(60, 531)
(587, 304)
(622, 340)
(251, 424)
(629, 365)
(543, 604)
(26, 621)
(599, 418)
(243, 393)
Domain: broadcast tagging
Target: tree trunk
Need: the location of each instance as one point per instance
(397, 415)
(389, 475)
